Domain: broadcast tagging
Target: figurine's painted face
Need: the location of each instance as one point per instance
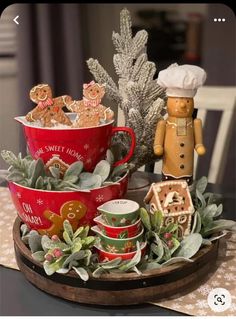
(94, 91)
(180, 106)
(40, 93)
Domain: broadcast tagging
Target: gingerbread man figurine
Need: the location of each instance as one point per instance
(48, 110)
(178, 135)
(90, 111)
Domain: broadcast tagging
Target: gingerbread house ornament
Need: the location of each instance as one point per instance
(173, 199)
(57, 162)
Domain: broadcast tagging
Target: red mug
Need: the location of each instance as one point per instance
(68, 145)
(45, 211)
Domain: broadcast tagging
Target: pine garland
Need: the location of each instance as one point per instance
(137, 94)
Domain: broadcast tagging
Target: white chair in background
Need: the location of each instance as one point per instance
(211, 98)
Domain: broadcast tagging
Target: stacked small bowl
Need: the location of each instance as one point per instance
(119, 229)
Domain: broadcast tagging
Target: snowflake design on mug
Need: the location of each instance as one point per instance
(99, 198)
(39, 201)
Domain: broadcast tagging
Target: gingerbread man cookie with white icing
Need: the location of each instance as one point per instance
(90, 111)
(48, 110)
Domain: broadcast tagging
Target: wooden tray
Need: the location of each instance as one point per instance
(115, 289)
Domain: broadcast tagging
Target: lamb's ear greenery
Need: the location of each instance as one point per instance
(33, 174)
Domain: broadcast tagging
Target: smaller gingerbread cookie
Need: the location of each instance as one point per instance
(90, 111)
(48, 110)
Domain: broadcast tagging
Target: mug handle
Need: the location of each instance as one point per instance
(132, 146)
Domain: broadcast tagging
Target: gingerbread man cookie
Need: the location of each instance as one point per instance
(90, 111)
(48, 110)
(73, 211)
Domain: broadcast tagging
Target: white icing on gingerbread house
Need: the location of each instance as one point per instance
(173, 199)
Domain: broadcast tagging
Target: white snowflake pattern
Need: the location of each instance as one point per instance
(220, 271)
(176, 306)
(233, 307)
(189, 307)
(88, 161)
(215, 283)
(86, 146)
(204, 290)
(102, 149)
(230, 277)
(18, 195)
(99, 198)
(232, 268)
(39, 201)
(8, 206)
(202, 304)
(230, 246)
(202, 312)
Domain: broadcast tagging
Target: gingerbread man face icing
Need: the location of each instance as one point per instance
(48, 110)
(92, 91)
(40, 93)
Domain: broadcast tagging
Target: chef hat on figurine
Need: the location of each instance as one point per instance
(181, 80)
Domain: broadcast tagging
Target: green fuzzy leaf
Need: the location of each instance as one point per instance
(73, 172)
(85, 232)
(79, 255)
(171, 228)
(189, 246)
(145, 218)
(83, 274)
(24, 229)
(201, 199)
(175, 260)
(156, 220)
(68, 228)
(39, 184)
(87, 258)
(206, 242)
(209, 211)
(109, 157)
(35, 242)
(111, 264)
(202, 184)
(89, 181)
(134, 261)
(175, 246)
(67, 238)
(50, 268)
(197, 223)
(88, 241)
(150, 265)
(219, 210)
(9, 157)
(218, 225)
(119, 170)
(15, 177)
(98, 272)
(76, 246)
(103, 169)
(36, 169)
(167, 253)
(55, 172)
(39, 255)
(47, 244)
(63, 271)
(160, 248)
(78, 232)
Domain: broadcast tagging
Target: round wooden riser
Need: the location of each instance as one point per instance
(115, 289)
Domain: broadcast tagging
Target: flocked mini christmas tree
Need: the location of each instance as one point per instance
(137, 94)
